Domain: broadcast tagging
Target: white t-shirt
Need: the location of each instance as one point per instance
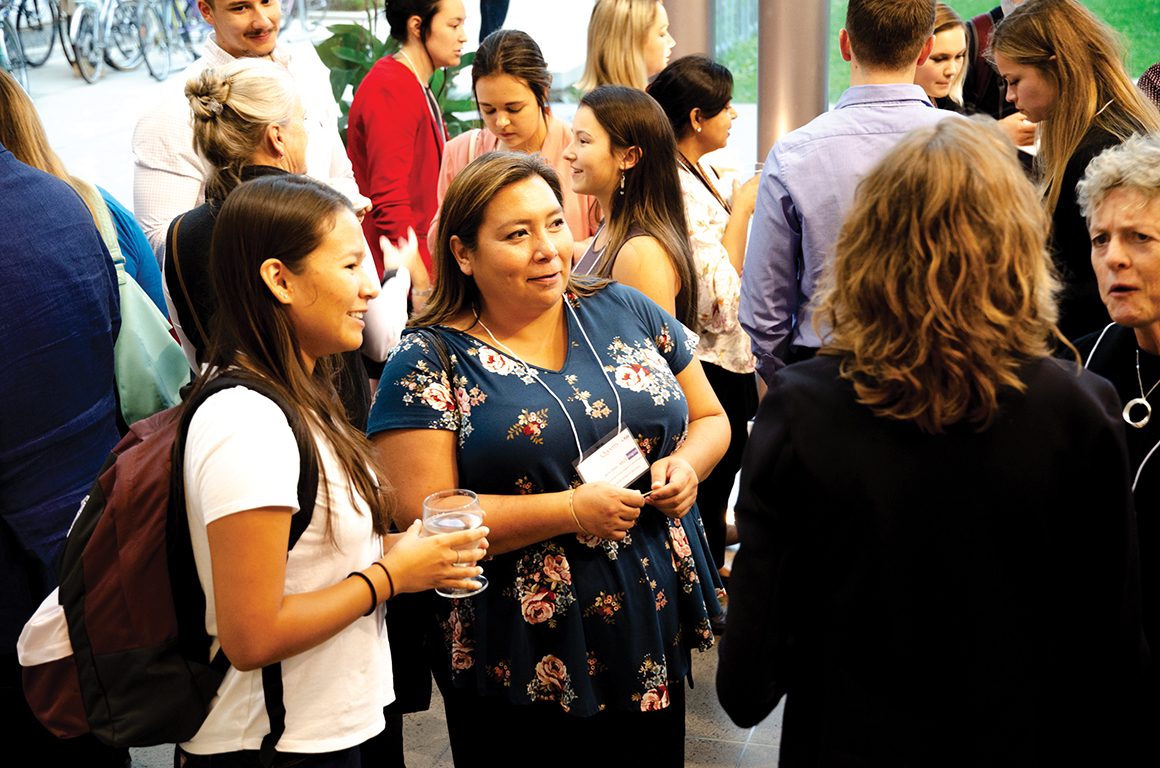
(240, 455)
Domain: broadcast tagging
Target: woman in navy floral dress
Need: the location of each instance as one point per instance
(597, 596)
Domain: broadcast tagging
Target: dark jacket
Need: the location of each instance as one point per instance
(969, 598)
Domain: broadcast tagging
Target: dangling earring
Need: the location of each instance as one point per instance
(622, 182)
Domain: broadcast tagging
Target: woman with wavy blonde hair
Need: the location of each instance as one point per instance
(628, 43)
(1065, 71)
(932, 332)
(936, 527)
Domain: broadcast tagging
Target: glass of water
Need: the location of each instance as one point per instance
(448, 512)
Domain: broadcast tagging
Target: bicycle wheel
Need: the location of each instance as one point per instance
(35, 25)
(123, 50)
(86, 45)
(63, 25)
(12, 55)
(154, 42)
(179, 27)
(315, 13)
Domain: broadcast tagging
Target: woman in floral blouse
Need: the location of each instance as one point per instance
(695, 94)
(597, 595)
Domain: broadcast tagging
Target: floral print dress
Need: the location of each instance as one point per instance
(576, 620)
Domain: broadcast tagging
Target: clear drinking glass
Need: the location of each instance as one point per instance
(448, 512)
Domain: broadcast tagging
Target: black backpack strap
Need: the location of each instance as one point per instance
(307, 494)
(275, 710)
(307, 451)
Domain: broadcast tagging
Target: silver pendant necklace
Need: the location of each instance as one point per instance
(1141, 400)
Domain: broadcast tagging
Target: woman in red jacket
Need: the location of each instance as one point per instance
(395, 135)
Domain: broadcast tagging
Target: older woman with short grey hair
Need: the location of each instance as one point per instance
(1120, 198)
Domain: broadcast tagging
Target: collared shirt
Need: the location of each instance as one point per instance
(806, 188)
(169, 175)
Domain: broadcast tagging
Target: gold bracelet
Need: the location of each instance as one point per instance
(572, 509)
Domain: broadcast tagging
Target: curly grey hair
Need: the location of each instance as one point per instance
(1133, 165)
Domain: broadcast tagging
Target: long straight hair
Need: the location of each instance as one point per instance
(617, 32)
(1084, 58)
(652, 198)
(22, 134)
(284, 217)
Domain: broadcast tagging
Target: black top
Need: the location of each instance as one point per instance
(947, 103)
(1114, 358)
(970, 598)
(194, 234)
(1080, 309)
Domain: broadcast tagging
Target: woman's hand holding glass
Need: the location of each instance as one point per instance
(745, 196)
(419, 563)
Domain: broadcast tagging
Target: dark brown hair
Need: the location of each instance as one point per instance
(692, 82)
(463, 212)
(399, 12)
(652, 198)
(515, 53)
(889, 34)
(284, 217)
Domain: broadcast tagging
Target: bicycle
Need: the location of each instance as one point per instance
(310, 12)
(154, 37)
(165, 25)
(103, 33)
(11, 52)
(37, 24)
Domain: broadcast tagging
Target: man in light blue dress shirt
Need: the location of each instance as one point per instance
(810, 176)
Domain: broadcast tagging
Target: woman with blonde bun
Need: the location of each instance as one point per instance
(248, 121)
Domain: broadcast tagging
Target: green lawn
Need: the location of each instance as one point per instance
(1137, 20)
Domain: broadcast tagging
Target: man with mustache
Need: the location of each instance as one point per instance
(169, 175)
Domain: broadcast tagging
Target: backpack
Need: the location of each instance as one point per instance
(132, 666)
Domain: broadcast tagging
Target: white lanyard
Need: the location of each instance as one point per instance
(535, 375)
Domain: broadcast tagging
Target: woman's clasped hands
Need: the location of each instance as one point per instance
(608, 511)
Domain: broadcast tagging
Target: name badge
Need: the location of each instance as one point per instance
(616, 459)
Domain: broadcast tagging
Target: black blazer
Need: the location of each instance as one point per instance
(969, 598)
